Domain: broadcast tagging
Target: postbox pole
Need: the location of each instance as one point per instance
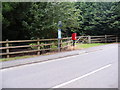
(73, 42)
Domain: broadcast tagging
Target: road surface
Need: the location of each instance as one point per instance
(96, 69)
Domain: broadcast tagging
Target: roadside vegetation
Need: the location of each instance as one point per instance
(82, 46)
(32, 20)
(14, 58)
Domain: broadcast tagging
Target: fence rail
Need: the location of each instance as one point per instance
(39, 45)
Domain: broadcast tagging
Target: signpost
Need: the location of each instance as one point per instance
(59, 35)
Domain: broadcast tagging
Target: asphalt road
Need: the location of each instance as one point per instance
(96, 69)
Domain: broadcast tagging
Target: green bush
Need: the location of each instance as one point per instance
(53, 46)
(33, 47)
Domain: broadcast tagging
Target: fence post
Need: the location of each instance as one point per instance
(68, 42)
(7, 50)
(105, 38)
(116, 39)
(38, 43)
(89, 39)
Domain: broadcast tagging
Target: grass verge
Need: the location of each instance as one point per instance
(14, 58)
(82, 46)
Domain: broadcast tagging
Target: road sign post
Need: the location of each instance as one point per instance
(59, 36)
(59, 40)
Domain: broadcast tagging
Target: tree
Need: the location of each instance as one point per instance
(43, 18)
(12, 16)
(98, 18)
(23, 20)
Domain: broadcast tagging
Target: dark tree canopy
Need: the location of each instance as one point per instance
(31, 20)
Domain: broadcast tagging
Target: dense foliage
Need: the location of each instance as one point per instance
(99, 18)
(30, 20)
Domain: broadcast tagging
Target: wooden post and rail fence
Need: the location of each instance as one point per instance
(39, 45)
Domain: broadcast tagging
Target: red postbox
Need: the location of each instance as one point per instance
(74, 36)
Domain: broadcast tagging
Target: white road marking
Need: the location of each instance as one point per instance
(73, 80)
(82, 52)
